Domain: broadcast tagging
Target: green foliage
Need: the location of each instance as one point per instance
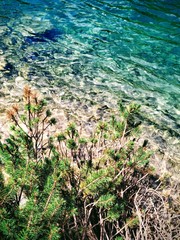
(68, 186)
(118, 238)
(61, 137)
(72, 131)
(71, 144)
(106, 201)
(97, 181)
(133, 222)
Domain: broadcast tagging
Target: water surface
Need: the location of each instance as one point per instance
(129, 48)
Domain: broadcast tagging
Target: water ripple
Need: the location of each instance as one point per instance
(127, 47)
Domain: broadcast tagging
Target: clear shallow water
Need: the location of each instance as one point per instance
(125, 47)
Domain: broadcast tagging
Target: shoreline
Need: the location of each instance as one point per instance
(84, 110)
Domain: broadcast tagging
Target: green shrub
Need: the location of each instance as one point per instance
(69, 186)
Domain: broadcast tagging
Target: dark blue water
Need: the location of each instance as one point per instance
(127, 48)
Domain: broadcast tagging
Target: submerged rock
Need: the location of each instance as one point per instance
(9, 69)
(49, 34)
(31, 57)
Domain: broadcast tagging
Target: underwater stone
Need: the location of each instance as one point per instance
(51, 34)
(136, 71)
(31, 57)
(13, 41)
(8, 67)
(69, 52)
(32, 39)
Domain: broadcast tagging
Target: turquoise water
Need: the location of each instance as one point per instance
(127, 48)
